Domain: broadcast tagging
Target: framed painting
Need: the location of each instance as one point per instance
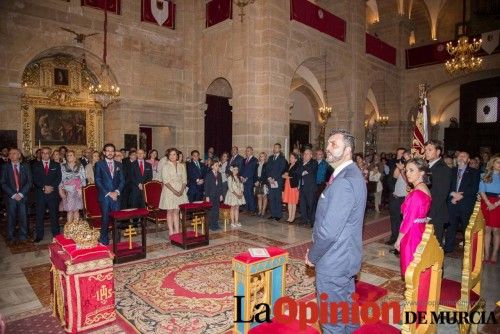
(60, 127)
(61, 77)
(130, 141)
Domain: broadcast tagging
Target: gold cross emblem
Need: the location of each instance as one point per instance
(198, 221)
(129, 232)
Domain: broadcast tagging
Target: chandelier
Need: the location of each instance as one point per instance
(325, 111)
(106, 91)
(463, 59)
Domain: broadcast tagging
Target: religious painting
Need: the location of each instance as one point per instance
(299, 134)
(61, 77)
(60, 127)
(8, 138)
(145, 138)
(130, 141)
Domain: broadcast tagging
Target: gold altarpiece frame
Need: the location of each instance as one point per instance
(58, 86)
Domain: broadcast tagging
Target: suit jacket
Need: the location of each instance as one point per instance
(263, 176)
(213, 190)
(104, 182)
(236, 160)
(469, 186)
(248, 169)
(337, 235)
(84, 161)
(294, 174)
(135, 176)
(53, 178)
(308, 180)
(8, 181)
(440, 190)
(276, 168)
(194, 173)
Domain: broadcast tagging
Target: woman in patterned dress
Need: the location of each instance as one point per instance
(234, 196)
(70, 189)
(174, 180)
(154, 161)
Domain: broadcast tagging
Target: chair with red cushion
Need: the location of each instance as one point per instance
(152, 194)
(91, 208)
(465, 296)
(423, 281)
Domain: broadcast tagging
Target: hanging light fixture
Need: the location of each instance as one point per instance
(464, 59)
(325, 112)
(106, 91)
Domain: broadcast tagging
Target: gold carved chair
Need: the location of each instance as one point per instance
(465, 296)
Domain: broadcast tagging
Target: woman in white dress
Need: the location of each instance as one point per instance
(234, 196)
(174, 180)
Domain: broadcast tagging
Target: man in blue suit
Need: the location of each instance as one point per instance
(337, 246)
(16, 183)
(195, 177)
(247, 176)
(276, 166)
(46, 178)
(235, 160)
(110, 181)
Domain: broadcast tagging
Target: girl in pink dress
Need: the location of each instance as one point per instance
(414, 209)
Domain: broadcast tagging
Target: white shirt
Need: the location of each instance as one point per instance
(433, 162)
(340, 167)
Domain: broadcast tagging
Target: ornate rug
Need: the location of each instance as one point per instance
(190, 292)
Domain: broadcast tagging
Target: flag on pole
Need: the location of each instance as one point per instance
(421, 129)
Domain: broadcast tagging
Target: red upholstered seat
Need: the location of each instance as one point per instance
(152, 194)
(368, 292)
(129, 214)
(195, 206)
(245, 257)
(450, 294)
(90, 201)
(277, 328)
(377, 328)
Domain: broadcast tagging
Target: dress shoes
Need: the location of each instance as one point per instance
(394, 251)
(271, 218)
(37, 240)
(277, 219)
(390, 242)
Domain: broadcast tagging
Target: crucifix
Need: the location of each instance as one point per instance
(129, 232)
(198, 221)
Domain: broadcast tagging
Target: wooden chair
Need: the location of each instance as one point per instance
(465, 296)
(91, 209)
(152, 194)
(423, 281)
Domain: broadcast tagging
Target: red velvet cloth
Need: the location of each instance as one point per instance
(380, 49)
(63, 242)
(451, 291)
(195, 206)
(474, 250)
(318, 18)
(124, 250)
(423, 290)
(147, 14)
(129, 214)
(114, 6)
(245, 257)
(377, 328)
(277, 328)
(368, 292)
(217, 11)
(90, 202)
(63, 250)
(152, 192)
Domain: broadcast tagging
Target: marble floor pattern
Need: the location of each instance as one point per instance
(24, 270)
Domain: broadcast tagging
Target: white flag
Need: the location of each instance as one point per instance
(159, 9)
(490, 41)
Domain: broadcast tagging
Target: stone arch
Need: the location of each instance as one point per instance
(220, 87)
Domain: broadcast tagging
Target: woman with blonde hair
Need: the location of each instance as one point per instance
(261, 189)
(70, 189)
(489, 190)
(90, 168)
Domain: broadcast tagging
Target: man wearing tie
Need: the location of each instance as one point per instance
(236, 160)
(16, 183)
(308, 188)
(196, 175)
(276, 166)
(141, 172)
(110, 182)
(248, 172)
(213, 194)
(46, 178)
(464, 187)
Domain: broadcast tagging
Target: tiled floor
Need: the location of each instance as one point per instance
(23, 270)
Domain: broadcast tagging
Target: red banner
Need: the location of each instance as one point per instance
(114, 6)
(318, 18)
(161, 12)
(380, 49)
(217, 11)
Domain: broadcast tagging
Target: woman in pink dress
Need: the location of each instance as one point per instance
(414, 209)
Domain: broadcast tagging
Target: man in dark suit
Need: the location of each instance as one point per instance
(195, 174)
(235, 160)
(213, 194)
(110, 182)
(276, 166)
(247, 176)
(141, 172)
(337, 246)
(16, 184)
(464, 187)
(307, 188)
(125, 197)
(86, 157)
(46, 178)
(440, 187)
